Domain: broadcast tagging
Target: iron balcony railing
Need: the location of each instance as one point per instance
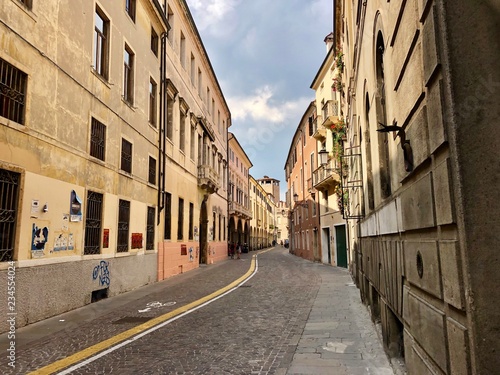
(330, 113)
(325, 174)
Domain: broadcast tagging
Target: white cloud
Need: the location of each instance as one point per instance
(211, 13)
(260, 106)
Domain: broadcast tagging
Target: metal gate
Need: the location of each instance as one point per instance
(9, 190)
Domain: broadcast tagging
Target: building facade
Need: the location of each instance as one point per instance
(113, 151)
(240, 212)
(422, 106)
(78, 151)
(263, 216)
(193, 198)
(304, 211)
(328, 130)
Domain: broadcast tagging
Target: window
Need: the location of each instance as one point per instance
(180, 220)
(150, 229)
(101, 44)
(208, 99)
(154, 42)
(192, 141)
(170, 115)
(191, 221)
(93, 223)
(200, 82)
(168, 217)
(182, 51)
(152, 102)
(126, 157)
(130, 8)
(12, 92)
(182, 131)
(152, 171)
(123, 225)
(192, 69)
(128, 75)
(27, 3)
(98, 140)
(9, 188)
(170, 19)
(213, 226)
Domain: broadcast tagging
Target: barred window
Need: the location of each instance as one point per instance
(180, 220)
(150, 229)
(9, 190)
(152, 171)
(12, 92)
(93, 223)
(98, 140)
(191, 221)
(123, 226)
(168, 217)
(126, 157)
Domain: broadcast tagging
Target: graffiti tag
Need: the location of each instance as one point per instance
(101, 271)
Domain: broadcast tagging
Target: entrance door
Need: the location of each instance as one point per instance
(341, 246)
(325, 241)
(203, 233)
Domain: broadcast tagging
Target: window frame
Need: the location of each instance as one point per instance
(13, 94)
(97, 139)
(128, 74)
(130, 9)
(126, 156)
(101, 50)
(123, 227)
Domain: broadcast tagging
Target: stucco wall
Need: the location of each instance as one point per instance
(48, 290)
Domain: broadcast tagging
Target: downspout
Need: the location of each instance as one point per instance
(162, 126)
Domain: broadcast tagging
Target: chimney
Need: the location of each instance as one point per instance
(329, 42)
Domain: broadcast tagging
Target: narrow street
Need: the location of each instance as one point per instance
(291, 317)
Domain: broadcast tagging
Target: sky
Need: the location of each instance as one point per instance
(265, 54)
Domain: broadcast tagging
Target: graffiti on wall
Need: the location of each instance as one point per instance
(101, 272)
(39, 238)
(191, 258)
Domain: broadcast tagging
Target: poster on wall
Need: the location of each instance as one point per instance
(75, 207)
(39, 237)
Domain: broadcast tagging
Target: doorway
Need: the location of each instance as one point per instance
(341, 244)
(325, 241)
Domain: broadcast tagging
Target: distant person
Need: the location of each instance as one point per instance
(239, 251)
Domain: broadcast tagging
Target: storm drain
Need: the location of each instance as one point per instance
(245, 286)
(132, 319)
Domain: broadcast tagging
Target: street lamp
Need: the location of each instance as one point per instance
(296, 200)
(323, 160)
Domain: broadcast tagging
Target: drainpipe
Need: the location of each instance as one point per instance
(162, 127)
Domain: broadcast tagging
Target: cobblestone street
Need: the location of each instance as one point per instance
(291, 317)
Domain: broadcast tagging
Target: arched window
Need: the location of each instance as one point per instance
(383, 147)
(369, 168)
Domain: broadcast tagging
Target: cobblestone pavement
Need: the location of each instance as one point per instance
(291, 317)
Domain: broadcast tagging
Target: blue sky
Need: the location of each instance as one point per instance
(265, 54)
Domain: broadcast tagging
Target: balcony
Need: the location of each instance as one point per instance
(208, 179)
(319, 133)
(236, 209)
(325, 176)
(331, 113)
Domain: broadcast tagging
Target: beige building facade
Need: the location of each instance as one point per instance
(113, 151)
(78, 148)
(240, 212)
(421, 192)
(263, 216)
(193, 199)
(329, 130)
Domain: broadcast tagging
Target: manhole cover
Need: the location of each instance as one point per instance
(132, 319)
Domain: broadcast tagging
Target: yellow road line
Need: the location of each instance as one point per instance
(103, 345)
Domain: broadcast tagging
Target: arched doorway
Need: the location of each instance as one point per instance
(203, 231)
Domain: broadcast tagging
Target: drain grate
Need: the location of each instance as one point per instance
(132, 319)
(245, 286)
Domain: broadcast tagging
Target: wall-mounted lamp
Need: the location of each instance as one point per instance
(323, 160)
(296, 200)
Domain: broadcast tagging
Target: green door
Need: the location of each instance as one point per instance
(341, 246)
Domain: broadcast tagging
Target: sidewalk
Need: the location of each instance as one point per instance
(339, 337)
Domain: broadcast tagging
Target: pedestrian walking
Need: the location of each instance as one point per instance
(239, 251)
